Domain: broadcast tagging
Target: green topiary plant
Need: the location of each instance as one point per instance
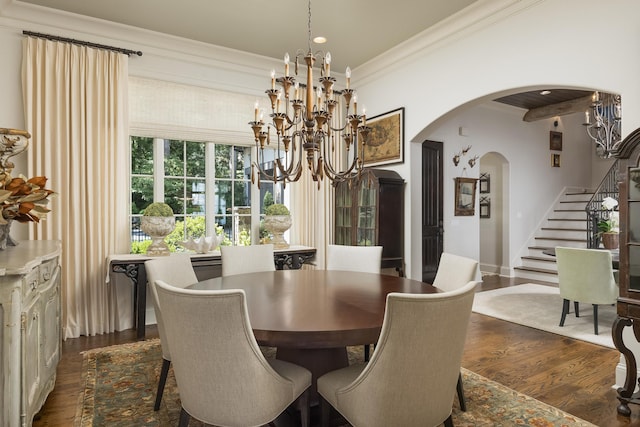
(158, 209)
(276, 209)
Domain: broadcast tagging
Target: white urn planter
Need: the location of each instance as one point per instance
(158, 228)
(277, 225)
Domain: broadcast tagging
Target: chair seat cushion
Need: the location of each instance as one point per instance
(299, 376)
(330, 383)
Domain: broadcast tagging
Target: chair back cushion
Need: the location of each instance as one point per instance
(366, 259)
(247, 259)
(586, 275)
(454, 271)
(175, 270)
(412, 375)
(222, 376)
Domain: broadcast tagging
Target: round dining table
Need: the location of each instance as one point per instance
(311, 316)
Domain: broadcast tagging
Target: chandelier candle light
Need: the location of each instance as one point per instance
(604, 130)
(304, 120)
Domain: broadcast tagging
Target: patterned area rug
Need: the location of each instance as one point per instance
(120, 384)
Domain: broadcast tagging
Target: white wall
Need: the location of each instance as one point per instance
(534, 44)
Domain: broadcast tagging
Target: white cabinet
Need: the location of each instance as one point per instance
(31, 332)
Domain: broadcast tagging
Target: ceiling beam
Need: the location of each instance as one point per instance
(578, 105)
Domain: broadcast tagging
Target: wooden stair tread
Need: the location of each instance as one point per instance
(539, 258)
(567, 219)
(562, 229)
(561, 239)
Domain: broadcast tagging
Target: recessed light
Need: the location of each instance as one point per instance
(319, 39)
(545, 92)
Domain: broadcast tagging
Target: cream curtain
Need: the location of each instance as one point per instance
(75, 100)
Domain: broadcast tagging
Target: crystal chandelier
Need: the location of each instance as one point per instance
(306, 124)
(605, 129)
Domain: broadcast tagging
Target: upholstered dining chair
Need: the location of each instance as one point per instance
(178, 271)
(454, 272)
(411, 377)
(223, 378)
(247, 259)
(585, 275)
(366, 259)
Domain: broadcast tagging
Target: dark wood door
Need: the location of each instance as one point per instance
(432, 226)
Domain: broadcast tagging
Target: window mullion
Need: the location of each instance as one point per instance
(158, 169)
(209, 188)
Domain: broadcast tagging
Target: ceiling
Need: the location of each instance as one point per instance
(357, 30)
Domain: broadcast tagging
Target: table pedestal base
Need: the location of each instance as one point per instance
(318, 360)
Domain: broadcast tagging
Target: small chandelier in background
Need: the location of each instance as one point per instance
(305, 127)
(603, 122)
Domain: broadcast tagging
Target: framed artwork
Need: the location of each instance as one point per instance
(555, 140)
(485, 207)
(465, 196)
(485, 183)
(555, 160)
(385, 144)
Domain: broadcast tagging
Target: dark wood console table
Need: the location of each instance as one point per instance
(206, 266)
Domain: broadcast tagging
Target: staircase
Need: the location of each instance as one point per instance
(565, 226)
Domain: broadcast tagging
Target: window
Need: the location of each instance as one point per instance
(207, 185)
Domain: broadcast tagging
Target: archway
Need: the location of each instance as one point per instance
(494, 214)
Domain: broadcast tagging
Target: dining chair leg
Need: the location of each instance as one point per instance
(366, 352)
(565, 310)
(461, 399)
(576, 306)
(325, 412)
(448, 422)
(163, 380)
(303, 405)
(595, 318)
(184, 418)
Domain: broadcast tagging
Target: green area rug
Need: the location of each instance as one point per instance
(120, 384)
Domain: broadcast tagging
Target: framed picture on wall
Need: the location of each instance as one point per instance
(555, 140)
(385, 144)
(555, 160)
(485, 183)
(465, 196)
(485, 207)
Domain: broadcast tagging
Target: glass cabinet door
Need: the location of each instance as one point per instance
(633, 222)
(343, 215)
(367, 200)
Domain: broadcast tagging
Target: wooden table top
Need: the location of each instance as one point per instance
(315, 308)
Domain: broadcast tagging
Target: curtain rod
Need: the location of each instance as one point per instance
(127, 52)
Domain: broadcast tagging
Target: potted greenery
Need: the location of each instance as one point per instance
(609, 228)
(158, 222)
(277, 220)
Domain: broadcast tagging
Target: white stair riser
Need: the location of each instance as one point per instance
(550, 243)
(567, 223)
(551, 278)
(562, 234)
(539, 264)
(568, 215)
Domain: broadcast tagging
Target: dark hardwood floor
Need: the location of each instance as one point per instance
(574, 376)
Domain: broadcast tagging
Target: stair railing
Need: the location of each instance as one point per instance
(595, 212)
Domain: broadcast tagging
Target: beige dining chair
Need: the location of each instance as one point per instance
(247, 259)
(365, 259)
(454, 272)
(223, 378)
(585, 275)
(177, 270)
(411, 377)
